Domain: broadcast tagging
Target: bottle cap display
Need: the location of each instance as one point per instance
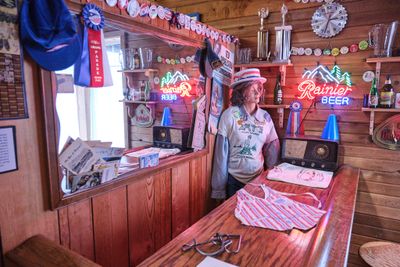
(335, 52)
(363, 45)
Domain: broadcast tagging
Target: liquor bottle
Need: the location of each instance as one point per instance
(373, 95)
(136, 60)
(386, 99)
(278, 93)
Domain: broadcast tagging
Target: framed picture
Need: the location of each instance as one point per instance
(12, 86)
(8, 149)
(195, 16)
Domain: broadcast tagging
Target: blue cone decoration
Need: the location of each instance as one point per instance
(331, 130)
(166, 117)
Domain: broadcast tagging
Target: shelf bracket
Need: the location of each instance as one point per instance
(282, 70)
(281, 115)
(378, 73)
(371, 122)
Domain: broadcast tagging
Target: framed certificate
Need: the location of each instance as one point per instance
(8, 149)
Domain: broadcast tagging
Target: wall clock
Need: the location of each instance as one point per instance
(329, 20)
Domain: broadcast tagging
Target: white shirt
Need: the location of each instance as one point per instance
(247, 135)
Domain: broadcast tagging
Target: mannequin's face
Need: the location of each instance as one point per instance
(253, 93)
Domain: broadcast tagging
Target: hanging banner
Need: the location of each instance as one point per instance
(222, 78)
(224, 73)
(217, 102)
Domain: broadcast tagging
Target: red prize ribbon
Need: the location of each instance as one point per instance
(94, 21)
(96, 59)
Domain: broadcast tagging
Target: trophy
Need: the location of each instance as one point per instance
(283, 34)
(262, 36)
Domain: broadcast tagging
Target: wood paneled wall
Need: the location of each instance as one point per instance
(378, 203)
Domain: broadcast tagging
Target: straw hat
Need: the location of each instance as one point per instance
(247, 75)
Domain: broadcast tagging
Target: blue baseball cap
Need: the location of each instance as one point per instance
(49, 33)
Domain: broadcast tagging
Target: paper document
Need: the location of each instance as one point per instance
(79, 158)
(289, 173)
(213, 262)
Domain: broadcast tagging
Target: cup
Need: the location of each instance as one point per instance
(366, 101)
(147, 55)
(126, 58)
(390, 38)
(377, 38)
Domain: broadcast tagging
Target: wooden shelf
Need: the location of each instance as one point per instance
(138, 102)
(381, 109)
(372, 115)
(273, 106)
(383, 60)
(263, 64)
(139, 71)
(279, 108)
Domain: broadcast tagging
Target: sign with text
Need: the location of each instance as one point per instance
(333, 87)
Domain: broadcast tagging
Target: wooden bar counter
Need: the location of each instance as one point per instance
(325, 245)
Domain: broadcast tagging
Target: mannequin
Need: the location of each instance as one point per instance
(246, 142)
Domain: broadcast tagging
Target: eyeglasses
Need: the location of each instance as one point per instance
(216, 245)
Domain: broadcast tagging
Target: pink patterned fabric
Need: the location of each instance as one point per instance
(275, 211)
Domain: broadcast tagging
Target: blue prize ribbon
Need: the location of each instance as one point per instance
(93, 17)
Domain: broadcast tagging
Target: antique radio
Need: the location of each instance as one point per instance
(311, 152)
(171, 137)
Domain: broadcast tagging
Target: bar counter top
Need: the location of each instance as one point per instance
(327, 244)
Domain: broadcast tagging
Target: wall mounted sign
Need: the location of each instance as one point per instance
(387, 134)
(143, 116)
(174, 85)
(8, 149)
(12, 91)
(332, 86)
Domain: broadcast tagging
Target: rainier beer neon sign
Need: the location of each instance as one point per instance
(333, 88)
(175, 84)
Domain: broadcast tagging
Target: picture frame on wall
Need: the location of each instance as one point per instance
(13, 104)
(8, 149)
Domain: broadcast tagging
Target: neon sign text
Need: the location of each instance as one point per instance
(335, 100)
(183, 89)
(333, 86)
(309, 89)
(175, 84)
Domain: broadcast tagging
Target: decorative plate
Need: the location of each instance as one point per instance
(329, 20)
(133, 8)
(111, 2)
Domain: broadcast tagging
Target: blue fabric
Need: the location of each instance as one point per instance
(82, 65)
(45, 26)
(220, 168)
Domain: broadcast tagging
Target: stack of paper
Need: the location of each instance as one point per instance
(289, 173)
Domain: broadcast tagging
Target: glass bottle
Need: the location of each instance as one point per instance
(136, 60)
(147, 90)
(386, 99)
(373, 95)
(278, 93)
